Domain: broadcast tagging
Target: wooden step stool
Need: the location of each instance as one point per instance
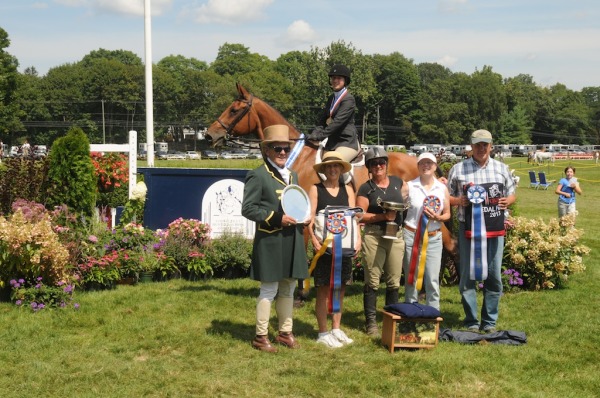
(393, 337)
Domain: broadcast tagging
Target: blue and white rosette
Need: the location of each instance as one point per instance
(478, 264)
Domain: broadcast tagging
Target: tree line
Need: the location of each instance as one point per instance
(398, 101)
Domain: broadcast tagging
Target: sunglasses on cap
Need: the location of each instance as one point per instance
(377, 162)
(278, 149)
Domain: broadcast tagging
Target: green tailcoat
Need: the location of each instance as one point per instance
(278, 252)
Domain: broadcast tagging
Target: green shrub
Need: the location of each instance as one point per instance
(133, 211)
(22, 178)
(185, 241)
(37, 295)
(229, 255)
(71, 177)
(29, 248)
(543, 254)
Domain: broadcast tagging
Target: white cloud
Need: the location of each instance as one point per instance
(299, 32)
(447, 61)
(127, 7)
(231, 12)
(530, 56)
(73, 3)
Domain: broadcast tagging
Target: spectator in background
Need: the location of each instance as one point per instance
(26, 149)
(566, 190)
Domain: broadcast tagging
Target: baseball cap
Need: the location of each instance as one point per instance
(427, 155)
(481, 136)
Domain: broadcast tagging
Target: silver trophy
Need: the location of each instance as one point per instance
(391, 227)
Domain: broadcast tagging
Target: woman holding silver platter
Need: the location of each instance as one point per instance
(382, 198)
(429, 207)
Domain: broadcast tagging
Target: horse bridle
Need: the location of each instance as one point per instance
(244, 112)
(229, 129)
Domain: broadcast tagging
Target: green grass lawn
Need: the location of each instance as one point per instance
(188, 339)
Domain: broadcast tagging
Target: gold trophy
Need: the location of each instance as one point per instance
(391, 228)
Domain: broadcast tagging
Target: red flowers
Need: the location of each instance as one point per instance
(112, 170)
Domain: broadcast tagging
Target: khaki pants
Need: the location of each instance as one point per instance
(347, 153)
(284, 305)
(382, 256)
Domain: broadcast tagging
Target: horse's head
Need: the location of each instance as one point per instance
(236, 120)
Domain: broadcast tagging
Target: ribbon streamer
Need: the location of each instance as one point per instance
(414, 255)
(433, 203)
(478, 270)
(295, 152)
(335, 280)
(313, 264)
(336, 225)
(423, 255)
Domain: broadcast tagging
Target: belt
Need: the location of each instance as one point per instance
(373, 228)
(411, 229)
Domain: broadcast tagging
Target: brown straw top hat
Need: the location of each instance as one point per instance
(332, 157)
(276, 133)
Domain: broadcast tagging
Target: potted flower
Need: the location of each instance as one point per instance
(149, 263)
(184, 242)
(197, 266)
(129, 267)
(112, 173)
(100, 273)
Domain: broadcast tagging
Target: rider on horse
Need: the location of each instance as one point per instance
(336, 121)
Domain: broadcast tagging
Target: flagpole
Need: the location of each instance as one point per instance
(149, 98)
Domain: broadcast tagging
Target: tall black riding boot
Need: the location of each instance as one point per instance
(370, 305)
(391, 296)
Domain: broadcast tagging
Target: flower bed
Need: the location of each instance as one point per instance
(542, 255)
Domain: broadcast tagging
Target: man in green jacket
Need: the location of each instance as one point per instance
(278, 255)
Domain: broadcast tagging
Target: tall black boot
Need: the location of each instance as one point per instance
(370, 305)
(391, 296)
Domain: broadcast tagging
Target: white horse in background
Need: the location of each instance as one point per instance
(540, 157)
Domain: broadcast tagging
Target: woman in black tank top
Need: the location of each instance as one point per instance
(330, 192)
(326, 198)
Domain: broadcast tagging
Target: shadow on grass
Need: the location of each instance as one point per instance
(356, 319)
(246, 332)
(234, 291)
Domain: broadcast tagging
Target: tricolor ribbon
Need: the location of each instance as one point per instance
(313, 263)
(478, 270)
(433, 203)
(336, 101)
(336, 225)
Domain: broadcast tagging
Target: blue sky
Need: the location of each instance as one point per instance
(551, 40)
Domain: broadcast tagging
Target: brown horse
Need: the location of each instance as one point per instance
(250, 115)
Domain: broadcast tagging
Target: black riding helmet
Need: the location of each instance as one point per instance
(340, 70)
